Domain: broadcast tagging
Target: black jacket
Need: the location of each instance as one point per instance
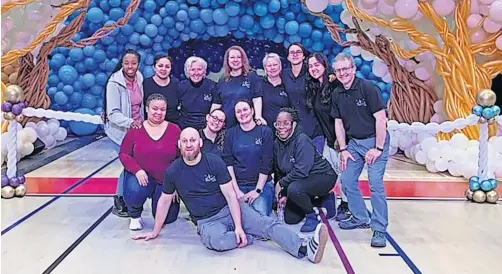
(297, 158)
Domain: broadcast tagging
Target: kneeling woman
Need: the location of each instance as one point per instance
(146, 153)
(302, 174)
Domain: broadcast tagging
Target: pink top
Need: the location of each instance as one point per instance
(139, 151)
(136, 99)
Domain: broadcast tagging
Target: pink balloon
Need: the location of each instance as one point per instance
(370, 2)
(478, 36)
(335, 2)
(406, 8)
(486, 2)
(384, 8)
(317, 5)
(422, 73)
(495, 11)
(418, 17)
(490, 26)
(484, 9)
(473, 20)
(443, 7)
(474, 6)
(498, 44)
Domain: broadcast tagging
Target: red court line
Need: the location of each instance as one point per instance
(394, 189)
(36, 185)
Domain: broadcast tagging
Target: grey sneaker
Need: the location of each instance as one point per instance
(378, 239)
(316, 245)
(353, 224)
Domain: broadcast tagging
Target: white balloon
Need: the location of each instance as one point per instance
(441, 165)
(421, 157)
(28, 148)
(53, 128)
(61, 134)
(317, 5)
(31, 134)
(22, 136)
(431, 167)
(43, 130)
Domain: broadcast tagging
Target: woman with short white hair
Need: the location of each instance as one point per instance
(275, 95)
(195, 94)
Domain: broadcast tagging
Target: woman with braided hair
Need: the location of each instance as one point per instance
(124, 109)
(303, 177)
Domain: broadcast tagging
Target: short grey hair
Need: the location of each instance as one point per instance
(342, 56)
(273, 56)
(191, 60)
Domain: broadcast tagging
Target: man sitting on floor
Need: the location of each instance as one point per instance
(205, 187)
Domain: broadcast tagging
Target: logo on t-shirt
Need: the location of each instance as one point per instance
(209, 178)
(292, 159)
(361, 102)
(208, 97)
(246, 83)
(283, 93)
(258, 141)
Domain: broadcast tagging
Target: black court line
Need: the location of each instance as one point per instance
(389, 255)
(35, 211)
(77, 242)
(400, 252)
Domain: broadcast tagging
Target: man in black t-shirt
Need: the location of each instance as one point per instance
(205, 186)
(359, 112)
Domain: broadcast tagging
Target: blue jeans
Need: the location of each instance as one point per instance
(217, 231)
(135, 196)
(120, 183)
(376, 171)
(264, 203)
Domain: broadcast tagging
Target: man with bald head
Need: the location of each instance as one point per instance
(205, 187)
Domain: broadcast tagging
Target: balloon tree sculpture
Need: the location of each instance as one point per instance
(411, 100)
(472, 52)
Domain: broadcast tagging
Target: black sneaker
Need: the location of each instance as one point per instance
(343, 212)
(119, 207)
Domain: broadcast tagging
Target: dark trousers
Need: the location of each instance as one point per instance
(135, 196)
(304, 194)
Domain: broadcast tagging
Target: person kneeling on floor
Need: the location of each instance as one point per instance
(302, 174)
(205, 187)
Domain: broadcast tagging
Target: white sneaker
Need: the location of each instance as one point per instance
(316, 245)
(136, 224)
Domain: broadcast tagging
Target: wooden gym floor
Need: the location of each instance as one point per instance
(65, 225)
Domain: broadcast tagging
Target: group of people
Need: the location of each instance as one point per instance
(236, 150)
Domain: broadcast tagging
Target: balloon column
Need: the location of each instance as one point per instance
(12, 109)
(483, 186)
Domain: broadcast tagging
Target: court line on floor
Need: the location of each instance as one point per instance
(400, 252)
(77, 242)
(35, 211)
(338, 246)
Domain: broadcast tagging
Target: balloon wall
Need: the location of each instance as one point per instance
(184, 28)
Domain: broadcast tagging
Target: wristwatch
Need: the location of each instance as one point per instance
(258, 190)
(381, 149)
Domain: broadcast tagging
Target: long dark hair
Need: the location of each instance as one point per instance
(305, 53)
(219, 141)
(312, 86)
(118, 67)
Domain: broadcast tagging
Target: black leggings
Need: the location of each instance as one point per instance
(301, 196)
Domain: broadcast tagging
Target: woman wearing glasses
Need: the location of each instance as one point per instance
(301, 173)
(213, 135)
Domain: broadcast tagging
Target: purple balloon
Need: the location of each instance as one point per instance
(5, 180)
(22, 179)
(22, 105)
(14, 182)
(6, 107)
(17, 109)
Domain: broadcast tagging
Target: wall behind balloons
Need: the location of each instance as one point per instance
(181, 28)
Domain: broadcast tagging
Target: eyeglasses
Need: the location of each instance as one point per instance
(298, 52)
(216, 119)
(283, 124)
(343, 70)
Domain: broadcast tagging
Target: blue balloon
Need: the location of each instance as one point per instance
(247, 22)
(267, 21)
(260, 8)
(292, 27)
(220, 16)
(76, 54)
(488, 113)
(474, 183)
(274, 6)
(95, 15)
(67, 74)
(486, 185)
(494, 183)
(60, 98)
(68, 89)
(149, 6)
(232, 8)
(477, 110)
(206, 15)
(496, 110)
(305, 30)
(83, 128)
(182, 15)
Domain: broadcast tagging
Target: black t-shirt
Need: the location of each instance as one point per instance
(198, 186)
(195, 102)
(356, 107)
(170, 92)
(274, 98)
(322, 113)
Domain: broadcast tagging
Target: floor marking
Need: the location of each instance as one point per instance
(77, 242)
(400, 252)
(389, 255)
(338, 246)
(35, 211)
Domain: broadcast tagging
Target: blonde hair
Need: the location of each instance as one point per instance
(246, 68)
(271, 56)
(191, 60)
